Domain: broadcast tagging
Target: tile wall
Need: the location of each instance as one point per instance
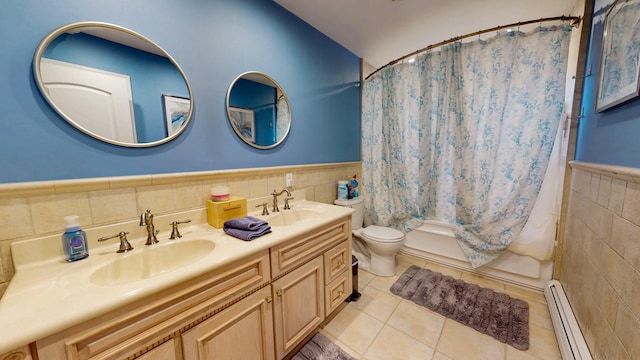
(600, 266)
(29, 210)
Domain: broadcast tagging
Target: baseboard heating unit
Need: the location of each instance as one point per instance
(570, 339)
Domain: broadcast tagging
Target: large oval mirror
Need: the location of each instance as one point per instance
(258, 110)
(113, 84)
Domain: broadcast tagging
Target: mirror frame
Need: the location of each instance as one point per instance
(627, 91)
(46, 41)
(237, 131)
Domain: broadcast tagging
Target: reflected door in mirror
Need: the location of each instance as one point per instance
(100, 101)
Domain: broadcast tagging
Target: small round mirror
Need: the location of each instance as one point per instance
(113, 84)
(258, 110)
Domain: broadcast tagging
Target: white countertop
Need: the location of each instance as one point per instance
(47, 294)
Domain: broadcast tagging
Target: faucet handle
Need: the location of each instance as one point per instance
(286, 202)
(175, 233)
(146, 217)
(124, 243)
(264, 205)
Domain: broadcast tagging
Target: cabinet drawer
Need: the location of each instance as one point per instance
(292, 253)
(337, 291)
(336, 260)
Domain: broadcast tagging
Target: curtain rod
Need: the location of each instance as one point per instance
(574, 20)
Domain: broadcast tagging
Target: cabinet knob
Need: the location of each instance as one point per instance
(279, 292)
(268, 299)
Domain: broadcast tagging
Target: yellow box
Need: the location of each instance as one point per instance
(220, 211)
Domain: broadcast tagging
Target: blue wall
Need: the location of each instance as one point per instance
(613, 136)
(150, 75)
(213, 41)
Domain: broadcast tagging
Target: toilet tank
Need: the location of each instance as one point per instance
(357, 218)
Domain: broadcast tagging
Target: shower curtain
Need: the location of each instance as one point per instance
(463, 135)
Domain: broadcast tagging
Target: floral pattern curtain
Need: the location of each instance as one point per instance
(463, 135)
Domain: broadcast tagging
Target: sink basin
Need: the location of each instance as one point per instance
(292, 217)
(152, 261)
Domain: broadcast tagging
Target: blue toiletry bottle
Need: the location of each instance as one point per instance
(354, 186)
(74, 240)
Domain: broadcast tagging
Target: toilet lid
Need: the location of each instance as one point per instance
(382, 234)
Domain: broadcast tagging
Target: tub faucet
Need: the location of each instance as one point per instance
(146, 219)
(275, 198)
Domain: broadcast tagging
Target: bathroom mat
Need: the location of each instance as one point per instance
(321, 348)
(489, 312)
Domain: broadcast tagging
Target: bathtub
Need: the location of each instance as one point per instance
(434, 241)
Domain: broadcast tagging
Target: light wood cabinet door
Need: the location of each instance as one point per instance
(298, 305)
(242, 331)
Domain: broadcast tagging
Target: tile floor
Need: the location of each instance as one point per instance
(384, 326)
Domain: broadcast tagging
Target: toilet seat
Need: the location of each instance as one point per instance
(382, 234)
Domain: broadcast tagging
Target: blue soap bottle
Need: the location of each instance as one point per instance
(74, 240)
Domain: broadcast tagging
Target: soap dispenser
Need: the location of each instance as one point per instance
(74, 240)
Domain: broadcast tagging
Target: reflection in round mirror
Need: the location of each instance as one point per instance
(258, 110)
(113, 84)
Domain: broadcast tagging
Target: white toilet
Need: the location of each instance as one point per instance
(374, 246)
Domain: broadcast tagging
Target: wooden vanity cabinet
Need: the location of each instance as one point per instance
(260, 307)
(143, 325)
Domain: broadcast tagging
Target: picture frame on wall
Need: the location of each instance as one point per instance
(244, 123)
(619, 79)
(176, 112)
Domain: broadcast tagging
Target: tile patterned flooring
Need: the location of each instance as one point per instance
(384, 326)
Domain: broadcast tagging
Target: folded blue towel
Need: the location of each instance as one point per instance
(248, 235)
(245, 223)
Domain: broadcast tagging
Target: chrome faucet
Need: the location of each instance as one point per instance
(275, 198)
(146, 219)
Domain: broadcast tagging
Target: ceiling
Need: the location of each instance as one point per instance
(380, 31)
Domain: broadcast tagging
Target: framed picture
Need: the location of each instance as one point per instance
(620, 57)
(176, 110)
(243, 121)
